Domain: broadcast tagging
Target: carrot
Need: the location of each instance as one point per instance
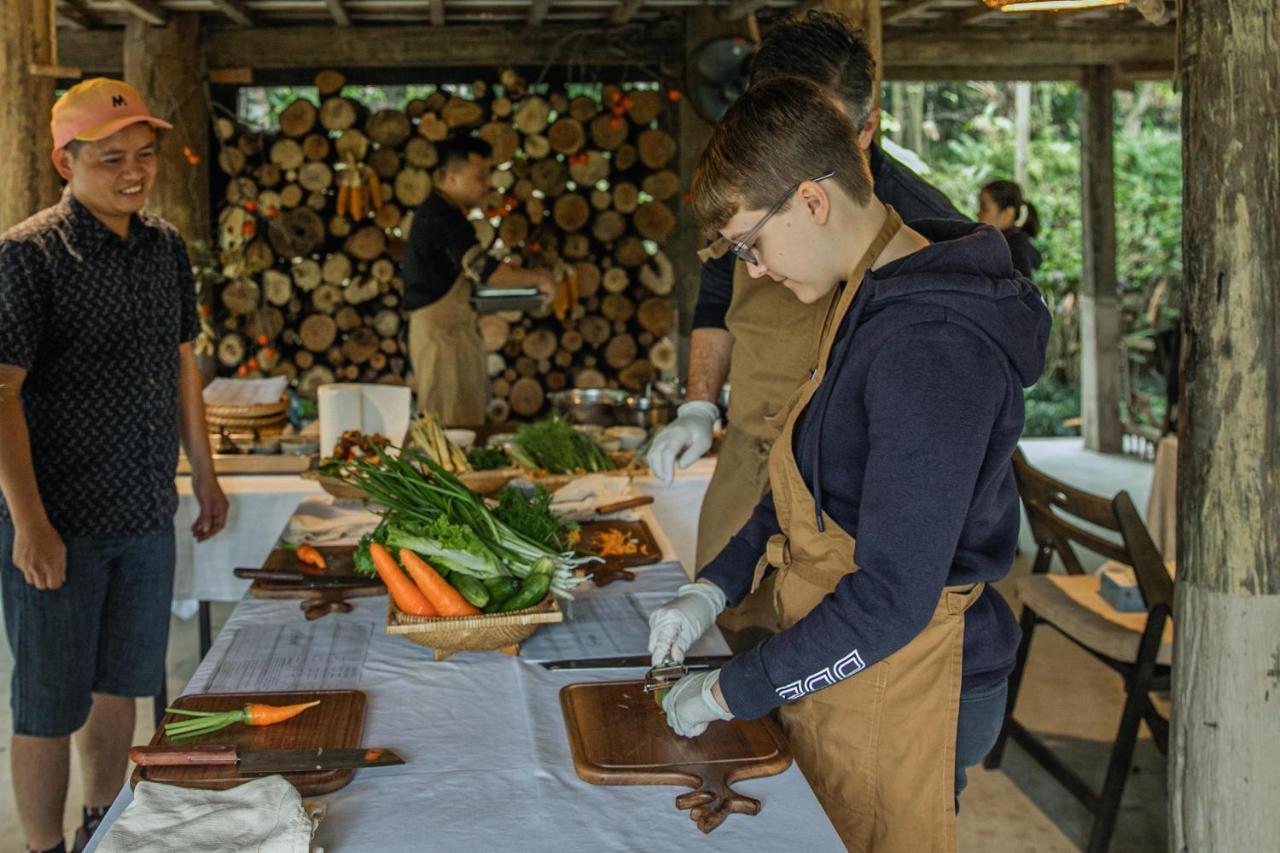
(309, 555)
(406, 596)
(207, 722)
(443, 597)
(256, 714)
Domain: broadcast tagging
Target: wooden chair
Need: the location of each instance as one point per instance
(1136, 645)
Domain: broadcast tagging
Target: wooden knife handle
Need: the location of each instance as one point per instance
(170, 756)
(629, 503)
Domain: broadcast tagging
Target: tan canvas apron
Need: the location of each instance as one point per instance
(775, 344)
(448, 357)
(878, 748)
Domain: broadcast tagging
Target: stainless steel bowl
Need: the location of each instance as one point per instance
(645, 412)
(587, 405)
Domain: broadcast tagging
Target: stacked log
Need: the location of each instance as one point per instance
(316, 215)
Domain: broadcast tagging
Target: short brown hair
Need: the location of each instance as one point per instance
(778, 134)
(823, 47)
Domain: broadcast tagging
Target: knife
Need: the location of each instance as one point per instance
(260, 762)
(305, 580)
(696, 662)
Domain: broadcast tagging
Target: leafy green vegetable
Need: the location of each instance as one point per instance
(531, 515)
(454, 546)
(487, 458)
(553, 444)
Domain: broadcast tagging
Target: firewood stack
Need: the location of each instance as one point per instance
(313, 230)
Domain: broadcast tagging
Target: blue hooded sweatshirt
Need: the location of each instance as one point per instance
(907, 445)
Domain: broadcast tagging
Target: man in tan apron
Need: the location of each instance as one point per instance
(442, 262)
(917, 382)
(760, 334)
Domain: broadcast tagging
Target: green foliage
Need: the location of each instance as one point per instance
(968, 138)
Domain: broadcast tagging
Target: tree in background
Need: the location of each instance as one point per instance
(964, 135)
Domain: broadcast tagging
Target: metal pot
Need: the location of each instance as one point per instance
(647, 412)
(587, 405)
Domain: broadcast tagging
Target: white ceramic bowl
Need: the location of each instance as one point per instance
(630, 437)
(463, 438)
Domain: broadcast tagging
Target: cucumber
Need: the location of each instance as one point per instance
(501, 588)
(543, 566)
(533, 590)
(471, 588)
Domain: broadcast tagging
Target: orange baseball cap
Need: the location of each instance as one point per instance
(95, 109)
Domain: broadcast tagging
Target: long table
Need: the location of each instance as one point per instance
(488, 762)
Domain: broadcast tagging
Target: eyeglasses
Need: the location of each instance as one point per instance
(741, 246)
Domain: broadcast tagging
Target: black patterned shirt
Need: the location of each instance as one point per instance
(96, 321)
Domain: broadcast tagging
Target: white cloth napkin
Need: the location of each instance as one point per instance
(578, 500)
(266, 815)
(320, 521)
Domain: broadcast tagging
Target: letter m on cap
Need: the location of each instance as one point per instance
(117, 100)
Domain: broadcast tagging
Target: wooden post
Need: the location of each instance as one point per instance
(166, 66)
(1099, 304)
(28, 182)
(1224, 768)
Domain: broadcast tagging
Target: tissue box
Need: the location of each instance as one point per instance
(1119, 588)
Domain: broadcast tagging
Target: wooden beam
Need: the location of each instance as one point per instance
(1099, 302)
(235, 10)
(1029, 47)
(903, 9)
(739, 9)
(338, 12)
(419, 46)
(1224, 760)
(148, 11)
(956, 20)
(538, 12)
(437, 13)
(626, 10)
(75, 19)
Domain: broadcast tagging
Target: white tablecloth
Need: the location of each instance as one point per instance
(260, 507)
(489, 766)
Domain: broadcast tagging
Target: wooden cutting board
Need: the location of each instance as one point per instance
(338, 560)
(617, 565)
(336, 723)
(619, 736)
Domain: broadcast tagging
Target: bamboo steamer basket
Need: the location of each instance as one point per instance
(448, 635)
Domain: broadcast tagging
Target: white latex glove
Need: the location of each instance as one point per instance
(676, 625)
(691, 705)
(686, 439)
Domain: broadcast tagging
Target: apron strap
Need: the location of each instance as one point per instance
(889, 230)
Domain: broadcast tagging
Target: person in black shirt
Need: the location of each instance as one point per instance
(442, 262)
(98, 384)
(1000, 204)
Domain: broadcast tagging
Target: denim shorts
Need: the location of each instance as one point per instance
(105, 630)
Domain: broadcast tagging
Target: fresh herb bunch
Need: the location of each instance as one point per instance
(487, 458)
(555, 446)
(531, 515)
(430, 512)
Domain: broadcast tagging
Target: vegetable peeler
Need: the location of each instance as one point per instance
(664, 675)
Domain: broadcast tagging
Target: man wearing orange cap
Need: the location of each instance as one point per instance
(98, 384)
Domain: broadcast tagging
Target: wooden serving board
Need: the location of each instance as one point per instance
(617, 565)
(338, 560)
(619, 736)
(336, 723)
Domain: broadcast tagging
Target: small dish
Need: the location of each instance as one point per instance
(630, 437)
(461, 438)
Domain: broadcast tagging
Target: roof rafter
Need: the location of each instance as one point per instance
(235, 10)
(145, 10)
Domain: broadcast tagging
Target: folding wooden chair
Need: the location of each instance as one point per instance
(1136, 645)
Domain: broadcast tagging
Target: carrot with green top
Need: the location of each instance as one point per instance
(406, 596)
(253, 714)
(443, 597)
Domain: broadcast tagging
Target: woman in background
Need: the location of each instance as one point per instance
(1000, 204)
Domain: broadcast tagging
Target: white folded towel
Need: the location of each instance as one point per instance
(266, 815)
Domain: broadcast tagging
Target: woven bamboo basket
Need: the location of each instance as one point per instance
(486, 483)
(262, 410)
(336, 486)
(486, 633)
